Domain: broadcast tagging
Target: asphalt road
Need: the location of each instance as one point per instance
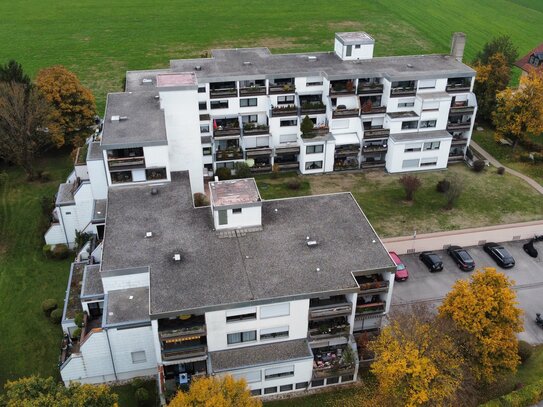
(431, 288)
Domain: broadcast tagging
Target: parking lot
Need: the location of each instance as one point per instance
(423, 286)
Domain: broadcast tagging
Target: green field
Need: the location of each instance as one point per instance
(100, 40)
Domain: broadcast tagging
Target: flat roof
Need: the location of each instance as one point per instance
(92, 282)
(65, 194)
(171, 80)
(259, 355)
(95, 152)
(217, 272)
(346, 138)
(236, 192)
(99, 211)
(421, 135)
(355, 37)
(139, 121)
(128, 305)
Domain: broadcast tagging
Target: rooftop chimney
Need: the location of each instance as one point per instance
(457, 46)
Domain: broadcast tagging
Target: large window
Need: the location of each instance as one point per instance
(409, 148)
(428, 162)
(288, 123)
(424, 124)
(219, 104)
(427, 84)
(313, 165)
(250, 377)
(273, 333)
(411, 124)
(277, 372)
(287, 138)
(202, 105)
(406, 104)
(240, 337)
(155, 173)
(248, 102)
(319, 148)
(285, 100)
(204, 128)
(410, 163)
(240, 314)
(139, 357)
(431, 145)
(275, 310)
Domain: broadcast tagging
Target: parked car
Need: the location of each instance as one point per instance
(499, 254)
(401, 271)
(461, 257)
(432, 261)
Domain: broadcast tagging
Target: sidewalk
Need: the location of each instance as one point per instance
(538, 187)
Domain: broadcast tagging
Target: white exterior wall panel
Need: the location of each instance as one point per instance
(125, 281)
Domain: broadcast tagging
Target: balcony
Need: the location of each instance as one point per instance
(219, 90)
(375, 148)
(340, 112)
(328, 329)
(313, 108)
(252, 129)
(372, 164)
(252, 90)
(126, 162)
(316, 132)
(376, 132)
(459, 141)
(369, 88)
(226, 132)
(281, 111)
(334, 361)
(461, 109)
(459, 126)
(176, 328)
(275, 89)
(457, 85)
(373, 110)
(330, 307)
(343, 87)
(81, 155)
(347, 150)
(376, 307)
(184, 352)
(373, 283)
(229, 154)
(403, 92)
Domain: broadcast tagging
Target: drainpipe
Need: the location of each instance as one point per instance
(63, 225)
(111, 354)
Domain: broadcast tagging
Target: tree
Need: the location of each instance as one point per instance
(502, 45)
(485, 317)
(491, 78)
(242, 170)
(213, 391)
(418, 363)
(35, 391)
(410, 184)
(306, 126)
(25, 128)
(73, 104)
(519, 112)
(453, 192)
(13, 72)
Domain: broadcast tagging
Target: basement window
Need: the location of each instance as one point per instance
(236, 210)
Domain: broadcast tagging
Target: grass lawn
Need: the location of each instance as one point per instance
(127, 396)
(482, 203)
(505, 155)
(29, 343)
(99, 40)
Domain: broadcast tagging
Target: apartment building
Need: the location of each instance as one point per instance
(273, 291)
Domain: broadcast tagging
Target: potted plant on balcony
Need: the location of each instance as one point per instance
(307, 127)
(349, 86)
(367, 106)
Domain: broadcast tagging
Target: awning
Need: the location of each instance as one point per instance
(347, 138)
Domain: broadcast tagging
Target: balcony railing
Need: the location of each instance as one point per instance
(325, 332)
(371, 308)
(281, 111)
(255, 130)
(317, 131)
(126, 162)
(256, 169)
(461, 109)
(226, 131)
(376, 133)
(455, 157)
(278, 89)
(374, 149)
(338, 113)
(365, 89)
(313, 108)
(231, 154)
(374, 110)
(373, 287)
(252, 91)
(342, 89)
(408, 91)
(459, 141)
(223, 93)
(458, 126)
(324, 372)
(372, 164)
(289, 165)
(330, 310)
(458, 87)
(182, 332)
(184, 353)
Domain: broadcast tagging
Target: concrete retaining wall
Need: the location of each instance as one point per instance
(464, 237)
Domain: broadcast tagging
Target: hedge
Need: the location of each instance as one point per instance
(525, 397)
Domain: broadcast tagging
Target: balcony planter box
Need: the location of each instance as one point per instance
(252, 91)
(345, 113)
(315, 132)
(376, 133)
(228, 131)
(278, 89)
(284, 111)
(223, 93)
(370, 89)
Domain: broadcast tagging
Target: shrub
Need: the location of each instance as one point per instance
(79, 318)
(56, 316)
(223, 173)
(525, 350)
(501, 170)
(46, 250)
(410, 184)
(61, 252)
(275, 170)
(142, 396)
(294, 184)
(531, 157)
(242, 170)
(443, 186)
(200, 200)
(47, 205)
(136, 383)
(478, 165)
(48, 305)
(45, 176)
(453, 192)
(306, 126)
(3, 177)
(76, 334)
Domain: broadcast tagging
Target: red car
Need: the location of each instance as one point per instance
(401, 271)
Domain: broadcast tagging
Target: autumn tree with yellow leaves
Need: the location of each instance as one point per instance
(485, 316)
(417, 362)
(216, 392)
(519, 112)
(491, 78)
(73, 104)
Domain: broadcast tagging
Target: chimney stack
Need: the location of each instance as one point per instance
(457, 46)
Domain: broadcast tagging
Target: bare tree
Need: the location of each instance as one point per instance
(453, 193)
(410, 184)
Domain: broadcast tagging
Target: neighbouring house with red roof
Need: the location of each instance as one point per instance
(532, 60)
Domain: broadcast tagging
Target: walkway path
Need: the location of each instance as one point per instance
(538, 187)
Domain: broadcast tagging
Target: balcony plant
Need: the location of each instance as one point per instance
(349, 86)
(367, 106)
(307, 127)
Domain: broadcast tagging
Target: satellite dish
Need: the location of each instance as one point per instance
(250, 162)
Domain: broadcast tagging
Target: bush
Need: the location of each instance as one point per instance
(410, 184)
(275, 170)
(200, 200)
(223, 173)
(46, 250)
(306, 126)
(47, 205)
(526, 396)
(61, 252)
(294, 184)
(79, 318)
(242, 170)
(453, 192)
(3, 177)
(443, 186)
(137, 383)
(478, 165)
(49, 305)
(525, 350)
(56, 316)
(142, 396)
(501, 170)
(76, 334)
(45, 176)
(531, 157)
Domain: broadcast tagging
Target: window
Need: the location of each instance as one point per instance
(412, 124)
(202, 105)
(250, 377)
(219, 104)
(428, 162)
(409, 148)
(286, 387)
(206, 151)
(313, 165)
(239, 337)
(285, 100)
(302, 385)
(252, 118)
(272, 333)
(349, 51)
(427, 84)
(238, 211)
(256, 392)
(410, 163)
(248, 102)
(425, 124)
(347, 378)
(155, 173)
(204, 128)
(287, 138)
(431, 145)
(319, 148)
(201, 89)
(406, 104)
(277, 372)
(270, 390)
(317, 383)
(275, 310)
(332, 380)
(357, 46)
(313, 83)
(223, 217)
(121, 176)
(287, 123)
(241, 314)
(139, 357)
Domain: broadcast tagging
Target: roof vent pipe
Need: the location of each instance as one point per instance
(198, 68)
(154, 191)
